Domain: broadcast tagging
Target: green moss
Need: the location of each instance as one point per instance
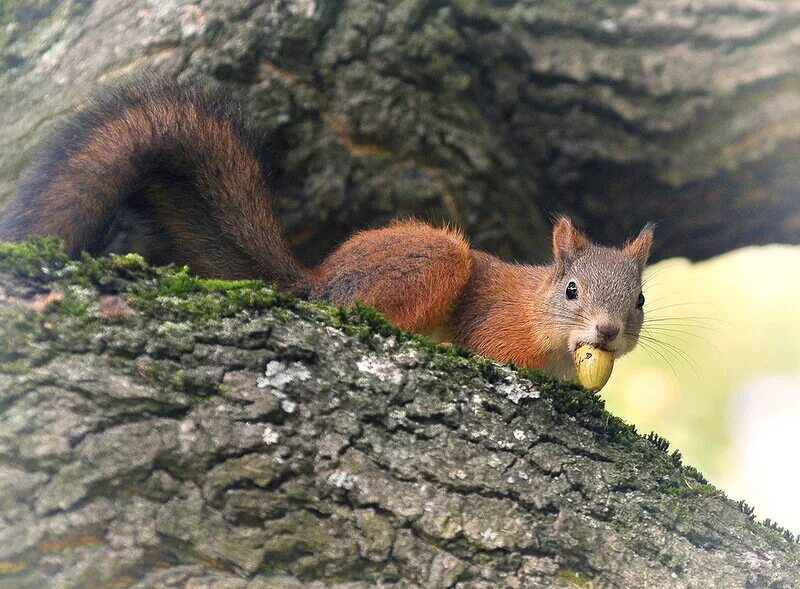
(747, 510)
(181, 283)
(20, 348)
(780, 531)
(154, 371)
(14, 367)
(661, 444)
(127, 261)
(71, 304)
(70, 307)
(573, 577)
(178, 295)
(178, 378)
(205, 307)
(688, 487)
(364, 321)
(37, 258)
(586, 406)
(695, 474)
(112, 274)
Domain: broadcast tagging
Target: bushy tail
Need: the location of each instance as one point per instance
(181, 155)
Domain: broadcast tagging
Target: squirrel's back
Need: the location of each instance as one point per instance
(169, 168)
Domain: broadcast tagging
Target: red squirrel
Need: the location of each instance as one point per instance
(174, 172)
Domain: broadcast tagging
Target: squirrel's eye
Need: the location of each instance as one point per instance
(572, 291)
(640, 301)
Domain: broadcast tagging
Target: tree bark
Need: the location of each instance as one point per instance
(492, 115)
(162, 431)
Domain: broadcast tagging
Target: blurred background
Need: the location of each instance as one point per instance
(494, 116)
(718, 373)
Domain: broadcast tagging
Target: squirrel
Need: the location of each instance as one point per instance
(173, 171)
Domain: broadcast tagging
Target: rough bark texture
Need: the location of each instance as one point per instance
(161, 431)
(489, 114)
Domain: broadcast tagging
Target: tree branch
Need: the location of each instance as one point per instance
(160, 430)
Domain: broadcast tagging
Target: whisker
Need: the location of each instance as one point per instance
(663, 357)
(679, 353)
(680, 318)
(678, 380)
(686, 321)
(667, 331)
(671, 305)
(654, 273)
(680, 326)
(697, 321)
(668, 345)
(668, 356)
(649, 353)
(564, 316)
(671, 295)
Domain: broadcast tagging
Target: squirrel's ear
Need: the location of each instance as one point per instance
(639, 248)
(568, 243)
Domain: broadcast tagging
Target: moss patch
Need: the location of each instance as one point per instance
(36, 259)
(177, 295)
(574, 578)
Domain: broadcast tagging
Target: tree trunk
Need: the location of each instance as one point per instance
(162, 431)
(489, 114)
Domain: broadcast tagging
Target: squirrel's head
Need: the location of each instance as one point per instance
(596, 294)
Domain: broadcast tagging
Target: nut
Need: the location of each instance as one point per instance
(593, 366)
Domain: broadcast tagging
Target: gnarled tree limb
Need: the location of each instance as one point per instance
(161, 431)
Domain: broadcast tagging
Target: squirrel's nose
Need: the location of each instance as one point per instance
(607, 332)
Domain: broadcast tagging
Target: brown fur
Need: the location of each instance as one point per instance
(568, 244)
(182, 156)
(639, 248)
(176, 175)
(409, 271)
(502, 314)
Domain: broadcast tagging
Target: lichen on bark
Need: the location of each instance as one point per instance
(162, 430)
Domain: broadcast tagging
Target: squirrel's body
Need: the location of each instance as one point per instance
(175, 174)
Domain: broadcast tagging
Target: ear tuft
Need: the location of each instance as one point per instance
(639, 248)
(568, 244)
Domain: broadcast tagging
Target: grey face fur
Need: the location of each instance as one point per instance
(608, 283)
(595, 293)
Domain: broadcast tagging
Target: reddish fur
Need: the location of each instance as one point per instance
(430, 281)
(568, 243)
(501, 312)
(639, 248)
(409, 271)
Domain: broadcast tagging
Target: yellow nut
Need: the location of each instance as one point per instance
(593, 366)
